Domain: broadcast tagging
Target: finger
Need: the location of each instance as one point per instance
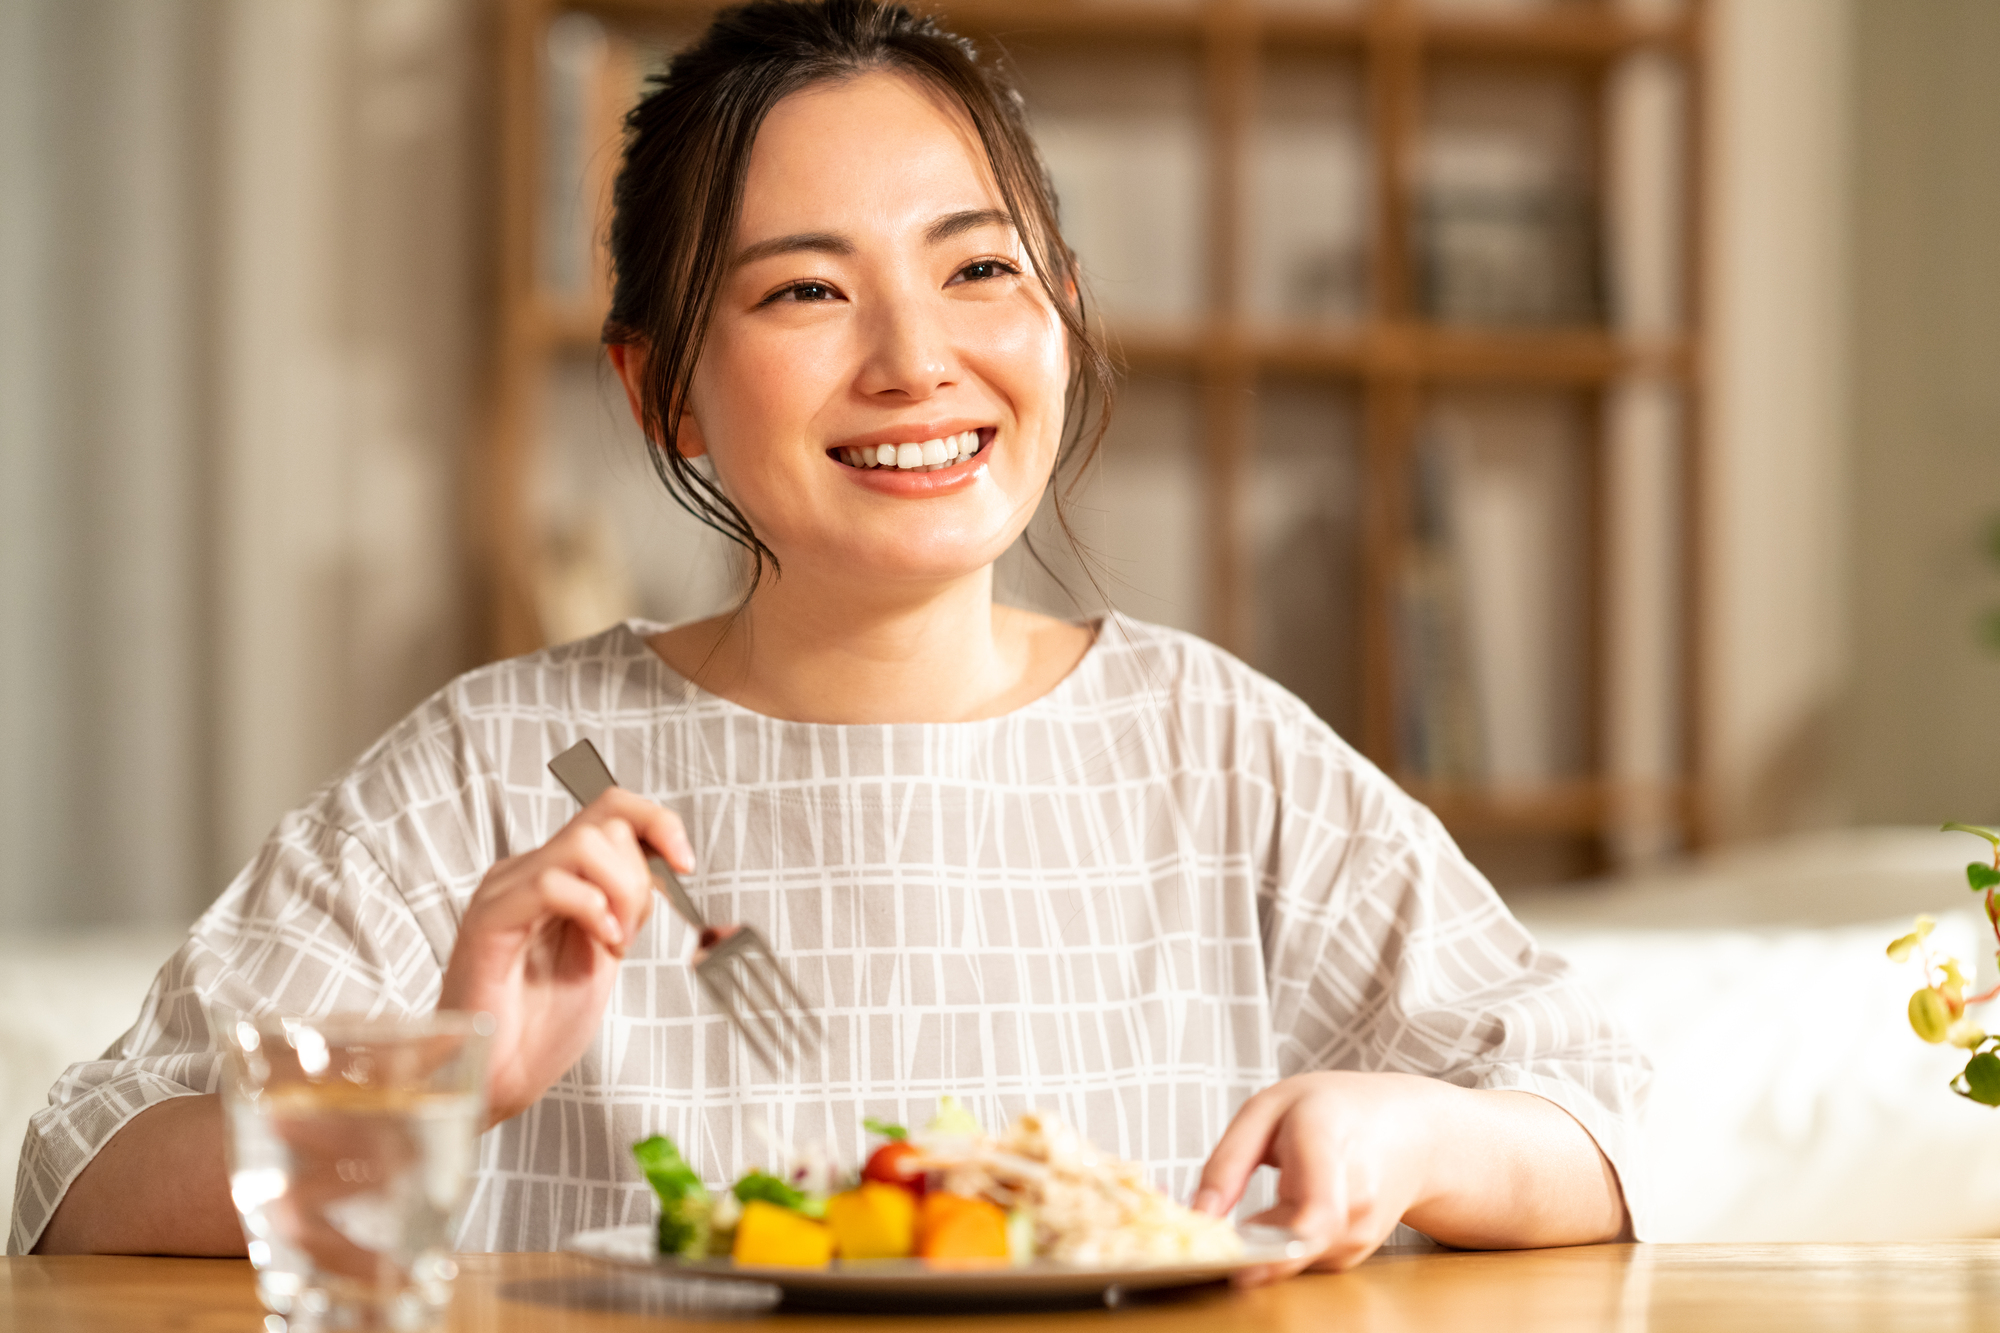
(657, 827)
(1315, 1215)
(553, 891)
(1242, 1148)
(608, 856)
(634, 913)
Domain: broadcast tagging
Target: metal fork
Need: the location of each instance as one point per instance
(732, 963)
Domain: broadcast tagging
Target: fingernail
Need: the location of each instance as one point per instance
(612, 930)
(1208, 1200)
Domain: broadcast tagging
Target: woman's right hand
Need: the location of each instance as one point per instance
(540, 943)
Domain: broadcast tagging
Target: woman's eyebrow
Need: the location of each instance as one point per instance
(825, 242)
(951, 224)
(833, 243)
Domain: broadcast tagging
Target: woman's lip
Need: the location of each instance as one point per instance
(917, 483)
(915, 432)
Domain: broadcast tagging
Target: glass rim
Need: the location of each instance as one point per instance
(354, 1029)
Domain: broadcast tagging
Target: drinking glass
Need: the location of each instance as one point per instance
(351, 1145)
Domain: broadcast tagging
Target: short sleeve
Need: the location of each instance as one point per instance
(312, 926)
(1387, 950)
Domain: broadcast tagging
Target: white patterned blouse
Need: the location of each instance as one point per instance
(1134, 902)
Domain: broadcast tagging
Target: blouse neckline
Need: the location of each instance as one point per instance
(672, 683)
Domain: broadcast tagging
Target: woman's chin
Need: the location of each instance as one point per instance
(896, 567)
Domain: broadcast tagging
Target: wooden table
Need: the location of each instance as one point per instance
(1935, 1287)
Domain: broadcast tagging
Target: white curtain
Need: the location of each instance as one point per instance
(238, 284)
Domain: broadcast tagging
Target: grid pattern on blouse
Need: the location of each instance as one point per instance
(1133, 902)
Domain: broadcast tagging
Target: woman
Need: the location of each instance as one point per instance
(1101, 868)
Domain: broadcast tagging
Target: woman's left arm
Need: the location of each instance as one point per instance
(1356, 1153)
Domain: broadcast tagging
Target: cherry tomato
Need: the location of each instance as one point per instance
(893, 1164)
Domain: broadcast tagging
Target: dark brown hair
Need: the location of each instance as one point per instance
(680, 188)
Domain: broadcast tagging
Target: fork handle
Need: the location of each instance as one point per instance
(582, 771)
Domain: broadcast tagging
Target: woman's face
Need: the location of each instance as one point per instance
(878, 296)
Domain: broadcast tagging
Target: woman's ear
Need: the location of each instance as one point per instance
(629, 360)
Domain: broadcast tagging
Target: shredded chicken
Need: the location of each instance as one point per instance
(1089, 1207)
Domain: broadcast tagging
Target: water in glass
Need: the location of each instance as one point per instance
(351, 1147)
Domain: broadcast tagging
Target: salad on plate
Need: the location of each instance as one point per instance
(949, 1194)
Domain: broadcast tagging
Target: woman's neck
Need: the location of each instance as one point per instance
(814, 650)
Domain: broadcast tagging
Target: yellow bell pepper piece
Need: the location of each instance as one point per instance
(769, 1235)
(876, 1221)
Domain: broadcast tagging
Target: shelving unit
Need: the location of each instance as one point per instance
(1392, 358)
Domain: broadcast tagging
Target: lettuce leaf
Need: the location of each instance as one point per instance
(684, 1203)
(767, 1187)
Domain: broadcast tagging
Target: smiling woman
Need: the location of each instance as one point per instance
(1100, 868)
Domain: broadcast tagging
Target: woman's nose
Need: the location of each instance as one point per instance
(909, 353)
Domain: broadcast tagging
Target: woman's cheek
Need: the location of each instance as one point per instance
(1023, 353)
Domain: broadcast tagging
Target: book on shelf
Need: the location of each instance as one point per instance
(1506, 221)
(1491, 614)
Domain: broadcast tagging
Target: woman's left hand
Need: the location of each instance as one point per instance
(1352, 1151)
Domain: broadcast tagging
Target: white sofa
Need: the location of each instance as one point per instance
(1791, 1102)
(1791, 1099)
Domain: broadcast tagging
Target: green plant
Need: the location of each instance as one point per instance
(1937, 1009)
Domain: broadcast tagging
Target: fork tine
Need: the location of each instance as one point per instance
(755, 986)
(719, 996)
(728, 964)
(800, 1023)
(807, 1019)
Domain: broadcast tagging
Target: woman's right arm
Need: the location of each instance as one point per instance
(158, 1187)
(538, 948)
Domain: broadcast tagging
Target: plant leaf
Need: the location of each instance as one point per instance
(1899, 948)
(1981, 876)
(1930, 1016)
(1982, 1079)
(1991, 835)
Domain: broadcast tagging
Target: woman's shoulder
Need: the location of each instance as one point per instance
(497, 723)
(1139, 660)
(1227, 717)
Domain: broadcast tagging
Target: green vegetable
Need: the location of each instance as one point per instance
(952, 1118)
(684, 1203)
(893, 1133)
(1981, 876)
(763, 1185)
(1020, 1235)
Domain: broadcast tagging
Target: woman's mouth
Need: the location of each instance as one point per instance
(917, 456)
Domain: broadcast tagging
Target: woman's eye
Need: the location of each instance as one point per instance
(803, 291)
(983, 269)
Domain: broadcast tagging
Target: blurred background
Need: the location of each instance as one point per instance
(1587, 406)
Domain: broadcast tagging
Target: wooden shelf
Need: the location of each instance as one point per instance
(1408, 351)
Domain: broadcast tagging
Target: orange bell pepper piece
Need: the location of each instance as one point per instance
(955, 1227)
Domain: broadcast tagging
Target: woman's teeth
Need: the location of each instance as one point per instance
(928, 456)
